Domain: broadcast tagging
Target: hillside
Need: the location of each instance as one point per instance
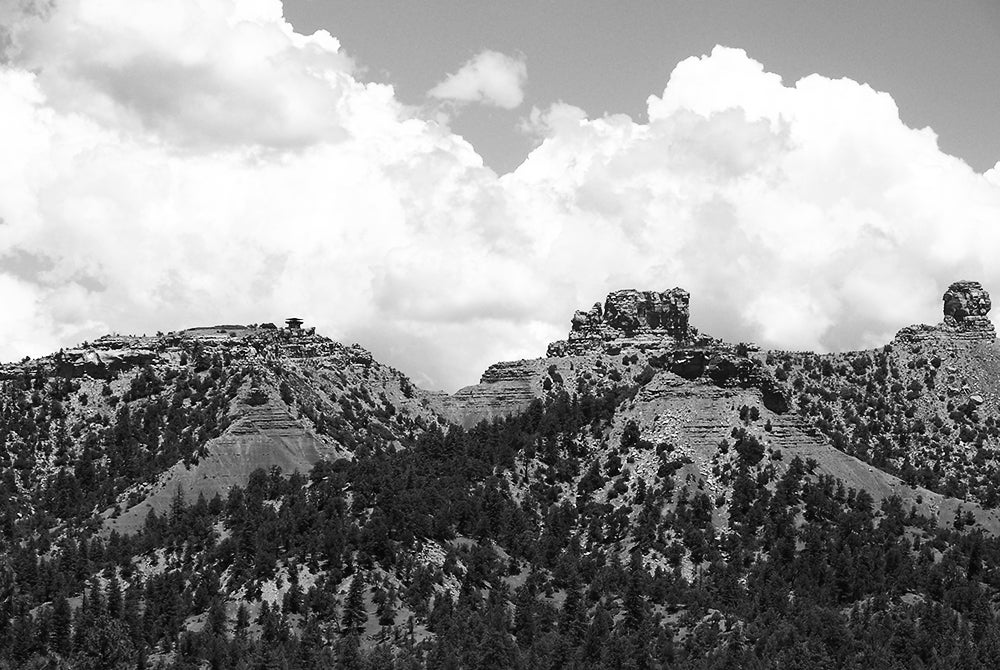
(920, 412)
(643, 496)
(136, 417)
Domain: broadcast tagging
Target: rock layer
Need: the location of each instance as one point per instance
(505, 388)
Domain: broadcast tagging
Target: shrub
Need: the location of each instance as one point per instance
(256, 398)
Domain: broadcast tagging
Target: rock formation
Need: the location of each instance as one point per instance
(966, 305)
(641, 318)
(505, 388)
(625, 341)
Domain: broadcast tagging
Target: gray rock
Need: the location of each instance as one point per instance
(640, 318)
(966, 305)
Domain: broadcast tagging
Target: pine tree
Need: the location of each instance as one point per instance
(268, 622)
(355, 616)
(217, 619)
(630, 436)
(178, 508)
(597, 633)
(81, 621)
(131, 614)
(61, 637)
(105, 643)
(43, 630)
(22, 633)
(572, 623)
(349, 655)
(634, 599)
(312, 653)
(386, 611)
(114, 597)
(292, 600)
(242, 622)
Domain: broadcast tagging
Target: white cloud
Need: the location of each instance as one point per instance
(490, 77)
(805, 216)
(195, 72)
(210, 165)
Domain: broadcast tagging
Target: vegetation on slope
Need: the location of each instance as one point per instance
(908, 410)
(500, 547)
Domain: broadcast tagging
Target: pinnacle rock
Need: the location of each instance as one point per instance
(966, 306)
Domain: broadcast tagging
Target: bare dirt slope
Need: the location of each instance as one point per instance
(266, 437)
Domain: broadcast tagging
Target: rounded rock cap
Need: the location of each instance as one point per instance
(964, 299)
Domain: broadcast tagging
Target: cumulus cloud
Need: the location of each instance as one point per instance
(490, 78)
(195, 72)
(805, 216)
(211, 165)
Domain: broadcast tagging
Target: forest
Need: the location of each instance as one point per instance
(491, 547)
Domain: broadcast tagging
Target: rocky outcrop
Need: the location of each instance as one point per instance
(505, 388)
(966, 305)
(725, 369)
(642, 319)
(631, 336)
(639, 322)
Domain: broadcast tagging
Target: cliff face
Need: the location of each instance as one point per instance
(505, 388)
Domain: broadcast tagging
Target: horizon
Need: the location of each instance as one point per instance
(541, 355)
(176, 162)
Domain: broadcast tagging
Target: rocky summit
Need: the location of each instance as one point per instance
(630, 317)
(631, 335)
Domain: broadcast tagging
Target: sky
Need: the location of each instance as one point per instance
(939, 60)
(446, 182)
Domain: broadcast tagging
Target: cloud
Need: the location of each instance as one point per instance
(210, 165)
(490, 78)
(805, 216)
(163, 68)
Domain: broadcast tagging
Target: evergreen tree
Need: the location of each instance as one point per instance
(61, 637)
(105, 644)
(131, 614)
(386, 611)
(312, 652)
(355, 616)
(349, 656)
(114, 597)
(217, 620)
(242, 623)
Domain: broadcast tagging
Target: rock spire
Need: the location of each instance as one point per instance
(966, 306)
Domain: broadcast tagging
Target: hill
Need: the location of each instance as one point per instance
(642, 496)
